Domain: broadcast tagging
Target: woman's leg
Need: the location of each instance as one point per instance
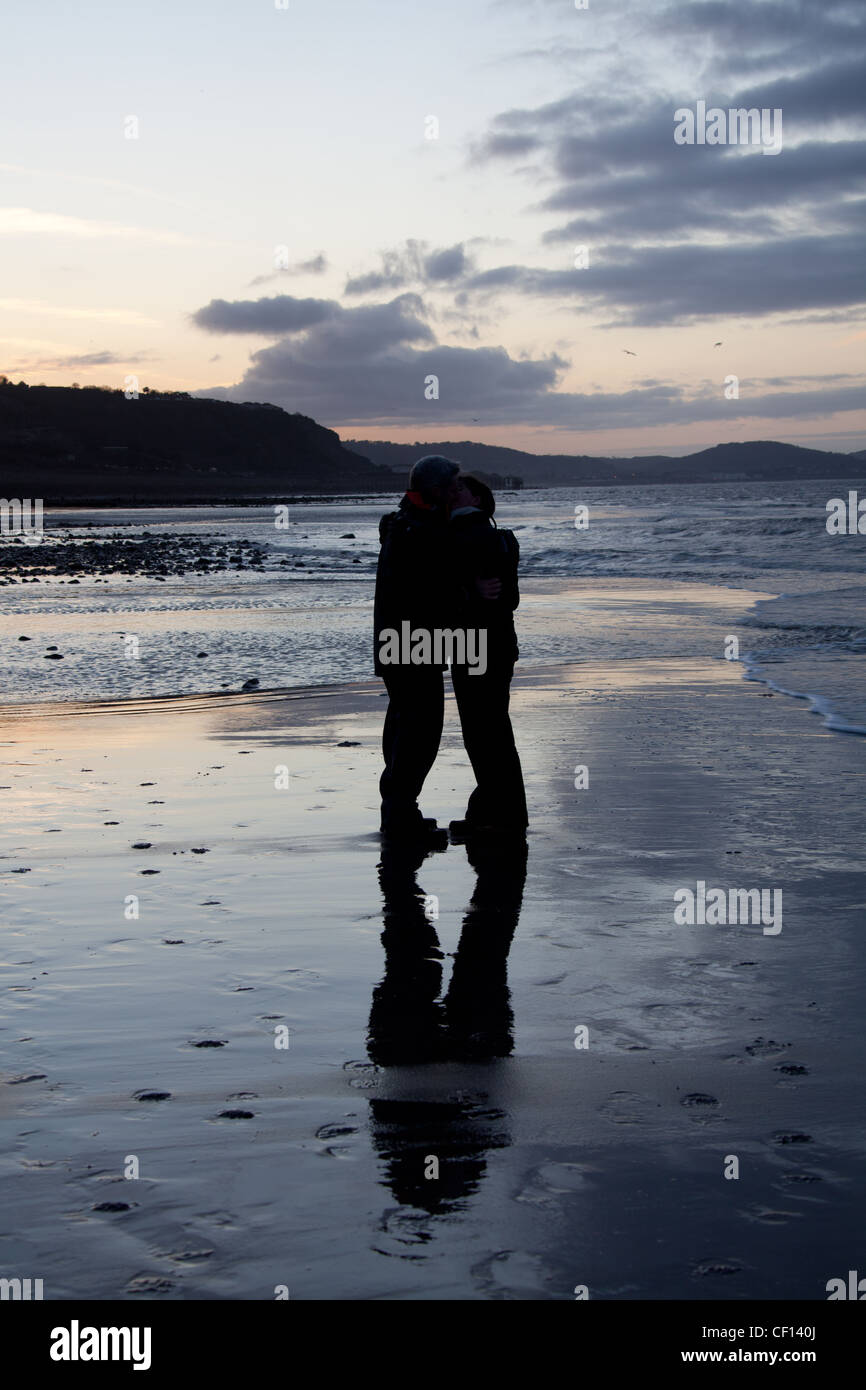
(499, 798)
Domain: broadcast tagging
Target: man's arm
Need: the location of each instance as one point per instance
(489, 588)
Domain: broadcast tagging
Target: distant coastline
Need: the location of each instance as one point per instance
(93, 446)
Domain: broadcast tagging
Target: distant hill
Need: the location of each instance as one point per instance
(758, 460)
(69, 445)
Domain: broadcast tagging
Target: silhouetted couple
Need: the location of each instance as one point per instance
(446, 590)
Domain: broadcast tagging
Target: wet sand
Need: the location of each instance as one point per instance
(261, 912)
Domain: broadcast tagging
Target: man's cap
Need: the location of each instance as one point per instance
(433, 470)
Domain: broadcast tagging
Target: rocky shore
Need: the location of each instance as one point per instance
(70, 557)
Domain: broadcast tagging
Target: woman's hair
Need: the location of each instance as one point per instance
(486, 500)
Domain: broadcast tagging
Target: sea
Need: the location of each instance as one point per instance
(737, 571)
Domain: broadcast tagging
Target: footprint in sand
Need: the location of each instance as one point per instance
(186, 1256)
(708, 1268)
(149, 1284)
(335, 1131)
(365, 1074)
(765, 1047)
(552, 1180)
(767, 1216)
(511, 1273)
(699, 1099)
(626, 1108)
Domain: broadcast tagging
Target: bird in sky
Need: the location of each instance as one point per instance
(717, 344)
(629, 354)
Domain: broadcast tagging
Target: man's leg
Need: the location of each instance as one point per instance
(410, 742)
(499, 798)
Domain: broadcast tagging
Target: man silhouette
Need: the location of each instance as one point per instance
(414, 584)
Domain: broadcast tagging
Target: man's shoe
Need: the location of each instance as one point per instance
(411, 828)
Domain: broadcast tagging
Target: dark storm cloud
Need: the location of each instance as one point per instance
(370, 326)
(679, 284)
(675, 234)
(784, 34)
(752, 232)
(366, 363)
(372, 364)
(280, 314)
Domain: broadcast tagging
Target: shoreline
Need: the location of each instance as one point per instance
(267, 500)
(206, 699)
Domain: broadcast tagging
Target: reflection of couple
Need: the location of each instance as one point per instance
(411, 1026)
(408, 1023)
(445, 568)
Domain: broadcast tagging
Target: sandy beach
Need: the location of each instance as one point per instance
(241, 1045)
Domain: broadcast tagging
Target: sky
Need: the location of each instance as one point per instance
(530, 223)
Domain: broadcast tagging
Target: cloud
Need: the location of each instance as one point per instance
(95, 359)
(413, 264)
(371, 364)
(317, 265)
(280, 314)
(752, 233)
(325, 331)
(676, 234)
(654, 285)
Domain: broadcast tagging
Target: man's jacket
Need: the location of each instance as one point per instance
(415, 581)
